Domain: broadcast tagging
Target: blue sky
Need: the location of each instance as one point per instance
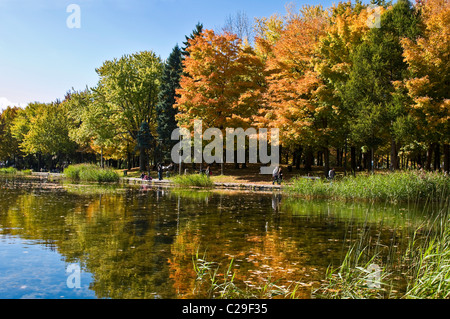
(41, 58)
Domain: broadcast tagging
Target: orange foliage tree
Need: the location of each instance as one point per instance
(429, 84)
(293, 97)
(222, 82)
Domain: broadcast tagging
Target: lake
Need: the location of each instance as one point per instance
(60, 240)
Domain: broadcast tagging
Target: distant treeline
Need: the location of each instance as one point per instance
(355, 86)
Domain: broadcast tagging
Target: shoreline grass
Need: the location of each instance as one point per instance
(420, 271)
(11, 171)
(210, 284)
(193, 180)
(397, 186)
(92, 173)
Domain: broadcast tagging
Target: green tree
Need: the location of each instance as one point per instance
(44, 129)
(196, 32)
(91, 124)
(9, 145)
(370, 92)
(347, 29)
(165, 108)
(129, 88)
(144, 143)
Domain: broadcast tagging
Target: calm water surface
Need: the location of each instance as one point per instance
(140, 242)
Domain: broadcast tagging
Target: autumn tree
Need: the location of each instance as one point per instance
(221, 84)
(346, 31)
(292, 102)
(429, 82)
(267, 32)
(240, 24)
(370, 91)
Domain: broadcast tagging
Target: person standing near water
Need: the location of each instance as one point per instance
(275, 175)
(160, 171)
(331, 175)
(280, 176)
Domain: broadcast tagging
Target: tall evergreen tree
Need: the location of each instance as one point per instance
(167, 97)
(197, 31)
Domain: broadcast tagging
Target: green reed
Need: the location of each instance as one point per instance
(210, 283)
(14, 171)
(196, 180)
(421, 270)
(92, 173)
(397, 186)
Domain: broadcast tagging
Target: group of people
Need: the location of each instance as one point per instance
(277, 175)
(160, 170)
(146, 177)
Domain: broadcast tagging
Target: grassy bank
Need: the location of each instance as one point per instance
(14, 171)
(91, 173)
(426, 269)
(430, 266)
(399, 186)
(197, 180)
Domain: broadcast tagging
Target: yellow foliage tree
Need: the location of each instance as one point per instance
(429, 84)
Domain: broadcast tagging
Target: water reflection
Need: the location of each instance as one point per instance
(139, 242)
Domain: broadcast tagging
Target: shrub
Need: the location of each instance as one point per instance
(198, 180)
(8, 170)
(14, 171)
(92, 173)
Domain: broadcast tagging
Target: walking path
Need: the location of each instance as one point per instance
(165, 182)
(247, 186)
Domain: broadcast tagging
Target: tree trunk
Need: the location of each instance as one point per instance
(345, 158)
(365, 162)
(39, 162)
(437, 157)
(372, 160)
(101, 158)
(142, 159)
(309, 157)
(394, 155)
(446, 158)
(319, 158)
(326, 153)
(244, 165)
(298, 157)
(129, 160)
(429, 157)
(353, 159)
(236, 163)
